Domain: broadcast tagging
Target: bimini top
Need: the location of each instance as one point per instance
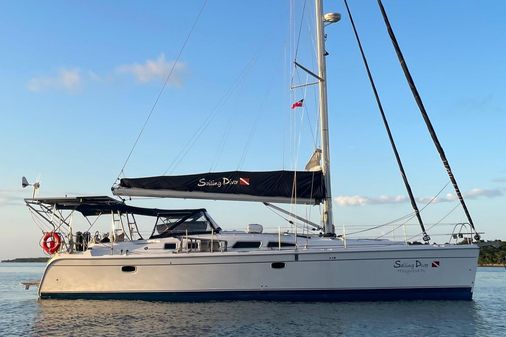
(97, 205)
(168, 222)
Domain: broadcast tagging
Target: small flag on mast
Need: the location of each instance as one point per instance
(297, 104)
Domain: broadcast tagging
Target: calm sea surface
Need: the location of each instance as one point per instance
(21, 314)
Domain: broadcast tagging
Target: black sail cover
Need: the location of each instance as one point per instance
(272, 186)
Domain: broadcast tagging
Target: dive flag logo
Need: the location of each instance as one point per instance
(244, 181)
(435, 264)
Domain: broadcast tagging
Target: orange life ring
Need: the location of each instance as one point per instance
(51, 242)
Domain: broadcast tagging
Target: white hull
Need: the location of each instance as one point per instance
(390, 272)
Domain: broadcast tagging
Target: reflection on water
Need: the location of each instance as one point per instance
(84, 318)
(23, 315)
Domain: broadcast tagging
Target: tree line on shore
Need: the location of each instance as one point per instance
(492, 253)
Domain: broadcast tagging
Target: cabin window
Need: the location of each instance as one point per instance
(197, 223)
(169, 246)
(183, 224)
(247, 244)
(275, 244)
(128, 269)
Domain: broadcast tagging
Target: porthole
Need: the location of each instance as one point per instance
(278, 265)
(128, 269)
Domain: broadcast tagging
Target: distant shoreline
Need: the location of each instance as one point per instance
(26, 259)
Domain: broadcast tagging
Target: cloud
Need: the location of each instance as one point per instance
(157, 69)
(352, 200)
(357, 200)
(65, 79)
(150, 70)
(480, 104)
(499, 180)
(94, 76)
(12, 197)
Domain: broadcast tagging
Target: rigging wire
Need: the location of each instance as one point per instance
(295, 73)
(439, 221)
(37, 222)
(425, 206)
(221, 146)
(294, 224)
(254, 125)
(310, 30)
(210, 117)
(297, 125)
(281, 216)
(426, 118)
(297, 136)
(414, 205)
(169, 75)
(253, 129)
(314, 134)
(396, 228)
(410, 215)
(92, 223)
(305, 111)
(300, 30)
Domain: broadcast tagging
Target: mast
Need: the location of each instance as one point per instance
(322, 88)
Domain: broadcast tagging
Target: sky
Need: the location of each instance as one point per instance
(79, 78)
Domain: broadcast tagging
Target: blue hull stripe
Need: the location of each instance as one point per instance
(298, 295)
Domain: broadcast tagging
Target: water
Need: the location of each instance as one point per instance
(23, 315)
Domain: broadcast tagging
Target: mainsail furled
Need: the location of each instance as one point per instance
(314, 163)
(273, 186)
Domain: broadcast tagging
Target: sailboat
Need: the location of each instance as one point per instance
(189, 257)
